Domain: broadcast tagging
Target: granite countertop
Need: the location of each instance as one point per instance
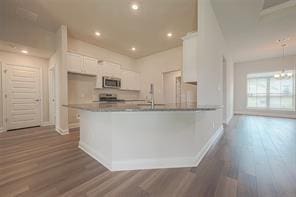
(134, 107)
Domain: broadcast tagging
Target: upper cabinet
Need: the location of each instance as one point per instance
(110, 69)
(190, 58)
(130, 80)
(90, 66)
(82, 65)
(74, 63)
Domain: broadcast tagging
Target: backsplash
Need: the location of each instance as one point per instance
(121, 94)
(81, 90)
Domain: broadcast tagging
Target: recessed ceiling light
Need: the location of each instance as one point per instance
(24, 51)
(97, 33)
(135, 6)
(133, 48)
(170, 35)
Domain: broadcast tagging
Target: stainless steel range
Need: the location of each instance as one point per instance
(109, 98)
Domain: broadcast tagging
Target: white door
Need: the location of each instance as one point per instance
(22, 96)
(170, 86)
(51, 86)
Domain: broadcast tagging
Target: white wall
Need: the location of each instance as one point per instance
(19, 59)
(83, 48)
(81, 89)
(59, 60)
(151, 69)
(240, 80)
(211, 50)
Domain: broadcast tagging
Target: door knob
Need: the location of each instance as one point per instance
(37, 100)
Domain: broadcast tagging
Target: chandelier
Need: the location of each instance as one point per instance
(283, 74)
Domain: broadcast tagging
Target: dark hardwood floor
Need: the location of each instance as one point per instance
(256, 156)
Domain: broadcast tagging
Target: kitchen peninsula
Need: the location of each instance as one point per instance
(129, 136)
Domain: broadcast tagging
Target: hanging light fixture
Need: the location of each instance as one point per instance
(283, 74)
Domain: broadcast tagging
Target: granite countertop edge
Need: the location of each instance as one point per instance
(135, 108)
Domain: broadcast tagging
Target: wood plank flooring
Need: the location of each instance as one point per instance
(256, 157)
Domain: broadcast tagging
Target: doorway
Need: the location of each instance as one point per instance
(172, 87)
(224, 90)
(52, 95)
(22, 96)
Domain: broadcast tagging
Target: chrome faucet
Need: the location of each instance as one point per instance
(152, 101)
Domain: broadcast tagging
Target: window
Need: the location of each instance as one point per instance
(266, 92)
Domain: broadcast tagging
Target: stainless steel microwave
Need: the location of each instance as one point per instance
(111, 82)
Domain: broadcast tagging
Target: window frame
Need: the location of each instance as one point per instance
(268, 94)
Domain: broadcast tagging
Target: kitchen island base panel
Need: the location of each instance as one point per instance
(141, 140)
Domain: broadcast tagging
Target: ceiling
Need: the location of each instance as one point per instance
(251, 35)
(121, 27)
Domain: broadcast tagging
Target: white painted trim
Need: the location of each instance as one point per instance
(228, 119)
(265, 114)
(62, 132)
(41, 93)
(4, 103)
(144, 164)
(140, 164)
(94, 154)
(208, 145)
(74, 125)
(51, 94)
(189, 35)
(45, 123)
(279, 7)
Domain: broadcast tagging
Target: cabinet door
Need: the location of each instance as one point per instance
(90, 66)
(74, 63)
(130, 80)
(111, 69)
(124, 79)
(99, 83)
(190, 58)
(137, 85)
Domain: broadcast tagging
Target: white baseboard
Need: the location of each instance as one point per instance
(229, 119)
(74, 125)
(45, 124)
(100, 158)
(141, 164)
(208, 145)
(265, 114)
(62, 132)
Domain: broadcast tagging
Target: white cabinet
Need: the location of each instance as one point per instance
(82, 65)
(90, 66)
(74, 63)
(130, 80)
(99, 83)
(190, 51)
(110, 69)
